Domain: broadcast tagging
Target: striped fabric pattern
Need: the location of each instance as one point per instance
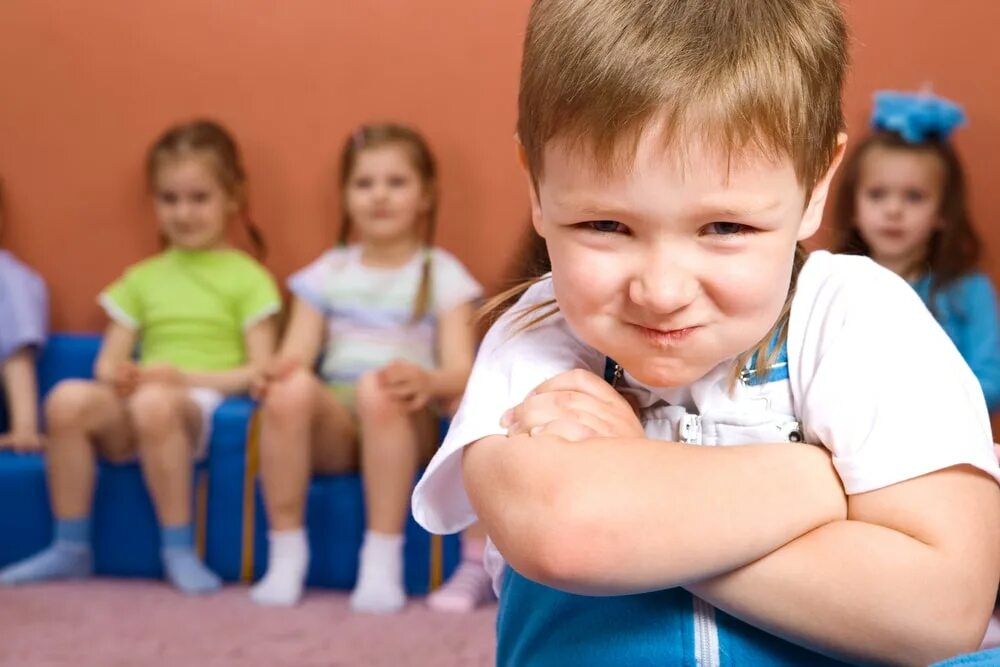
(369, 310)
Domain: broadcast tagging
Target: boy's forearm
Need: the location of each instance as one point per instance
(854, 590)
(22, 391)
(598, 516)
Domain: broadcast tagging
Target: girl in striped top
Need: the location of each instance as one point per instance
(385, 319)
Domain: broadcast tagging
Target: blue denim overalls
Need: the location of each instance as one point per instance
(538, 625)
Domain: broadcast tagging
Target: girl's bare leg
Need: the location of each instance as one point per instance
(167, 424)
(82, 416)
(303, 429)
(394, 442)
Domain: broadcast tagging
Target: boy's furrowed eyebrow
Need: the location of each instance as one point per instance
(587, 207)
(735, 207)
(723, 207)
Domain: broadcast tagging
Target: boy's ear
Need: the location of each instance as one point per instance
(536, 207)
(813, 216)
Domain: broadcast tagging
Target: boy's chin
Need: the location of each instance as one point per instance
(665, 375)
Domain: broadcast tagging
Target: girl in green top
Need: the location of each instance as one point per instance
(200, 313)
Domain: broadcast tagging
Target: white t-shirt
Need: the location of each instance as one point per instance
(872, 377)
(369, 310)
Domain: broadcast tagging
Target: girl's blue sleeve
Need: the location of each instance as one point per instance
(981, 343)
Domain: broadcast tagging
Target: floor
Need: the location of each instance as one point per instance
(118, 623)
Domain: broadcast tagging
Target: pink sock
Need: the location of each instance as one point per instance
(473, 549)
(992, 638)
(470, 585)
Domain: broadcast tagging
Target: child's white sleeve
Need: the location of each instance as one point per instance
(508, 366)
(312, 282)
(452, 283)
(877, 381)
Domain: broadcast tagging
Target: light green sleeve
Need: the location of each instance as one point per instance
(260, 298)
(122, 302)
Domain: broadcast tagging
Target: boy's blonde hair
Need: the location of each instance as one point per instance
(740, 75)
(760, 74)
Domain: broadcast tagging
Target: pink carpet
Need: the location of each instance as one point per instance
(119, 623)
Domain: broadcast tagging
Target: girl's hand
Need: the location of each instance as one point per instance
(575, 405)
(406, 382)
(996, 450)
(23, 442)
(125, 378)
(161, 373)
(276, 370)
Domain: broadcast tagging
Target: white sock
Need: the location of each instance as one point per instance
(288, 563)
(380, 575)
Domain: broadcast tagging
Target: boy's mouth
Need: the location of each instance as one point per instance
(665, 337)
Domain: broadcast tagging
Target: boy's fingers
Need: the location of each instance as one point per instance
(580, 381)
(570, 430)
(541, 416)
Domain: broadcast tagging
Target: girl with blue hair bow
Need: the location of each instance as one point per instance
(902, 202)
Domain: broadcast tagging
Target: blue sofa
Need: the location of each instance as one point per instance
(230, 521)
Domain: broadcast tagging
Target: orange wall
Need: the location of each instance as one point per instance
(904, 44)
(87, 86)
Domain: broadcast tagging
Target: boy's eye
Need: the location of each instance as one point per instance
(726, 228)
(199, 197)
(915, 196)
(606, 226)
(167, 197)
(397, 181)
(363, 183)
(875, 193)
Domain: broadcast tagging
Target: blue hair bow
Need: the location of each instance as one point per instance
(916, 117)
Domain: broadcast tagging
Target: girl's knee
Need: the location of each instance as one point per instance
(374, 403)
(157, 409)
(69, 403)
(290, 398)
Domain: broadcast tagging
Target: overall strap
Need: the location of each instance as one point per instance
(612, 371)
(777, 371)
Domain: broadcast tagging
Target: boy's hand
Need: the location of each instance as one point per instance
(575, 405)
(276, 370)
(406, 382)
(161, 373)
(23, 442)
(125, 378)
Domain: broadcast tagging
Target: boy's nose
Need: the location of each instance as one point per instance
(663, 287)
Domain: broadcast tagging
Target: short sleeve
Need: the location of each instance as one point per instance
(260, 298)
(311, 283)
(122, 300)
(24, 308)
(508, 366)
(453, 285)
(877, 381)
